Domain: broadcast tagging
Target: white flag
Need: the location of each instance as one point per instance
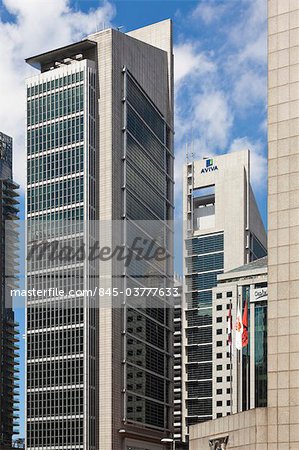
(239, 329)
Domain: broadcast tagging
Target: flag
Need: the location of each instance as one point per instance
(239, 329)
(229, 326)
(245, 325)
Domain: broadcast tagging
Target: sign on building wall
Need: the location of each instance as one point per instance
(259, 294)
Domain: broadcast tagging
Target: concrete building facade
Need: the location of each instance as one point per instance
(223, 230)
(100, 148)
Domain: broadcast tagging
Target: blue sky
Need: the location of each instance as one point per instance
(220, 73)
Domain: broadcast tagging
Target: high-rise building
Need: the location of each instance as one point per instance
(100, 148)
(223, 230)
(283, 223)
(240, 378)
(8, 272)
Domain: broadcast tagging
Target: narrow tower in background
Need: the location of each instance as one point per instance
(223, 230)
(8, 271)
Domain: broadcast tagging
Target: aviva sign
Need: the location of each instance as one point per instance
(210, 166)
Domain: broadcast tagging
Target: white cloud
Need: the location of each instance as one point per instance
(249, 35)
(189, 61)
(249, 88)
(213, 118)
(208, 12)
(258, 160)
(37, 27)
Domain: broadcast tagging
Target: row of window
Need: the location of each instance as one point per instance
(145, 109)
(146, 411)
(54, 135)
(199, 390)
(74, 215)
(200, 281)
(39, 317)
(55, 373)
(199, 317)
(55, 403)
(55, 433)
(55, 105)
(47, 86)
(142, 159)
(144, 383)
(146, 356)
(199, 407)
(145, 192)
(145, 137)
(204, 263)
(55, 165)
(199, 371)
(199, 300)
(199, 335)
(207, 244)
(56, 194)
(199, 354)
(149, 331)
(56, 343)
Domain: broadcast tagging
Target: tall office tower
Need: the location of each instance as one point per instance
(100, 147)
(283, 222)
(223, 230)
(240, 378)
(8, 272)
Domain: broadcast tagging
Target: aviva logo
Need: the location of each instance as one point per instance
(210, 167)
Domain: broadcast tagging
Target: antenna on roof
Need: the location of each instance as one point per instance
(119, 28)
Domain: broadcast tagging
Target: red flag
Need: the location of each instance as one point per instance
(245, 326)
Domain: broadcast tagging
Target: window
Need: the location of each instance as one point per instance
(219, 391)
(219, 403)
(219, 355)
(219, 295)
(229, 294)
(219, 307)
(219, 319)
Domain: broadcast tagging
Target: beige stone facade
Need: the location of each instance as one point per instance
(246, 431)
(283, 221)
